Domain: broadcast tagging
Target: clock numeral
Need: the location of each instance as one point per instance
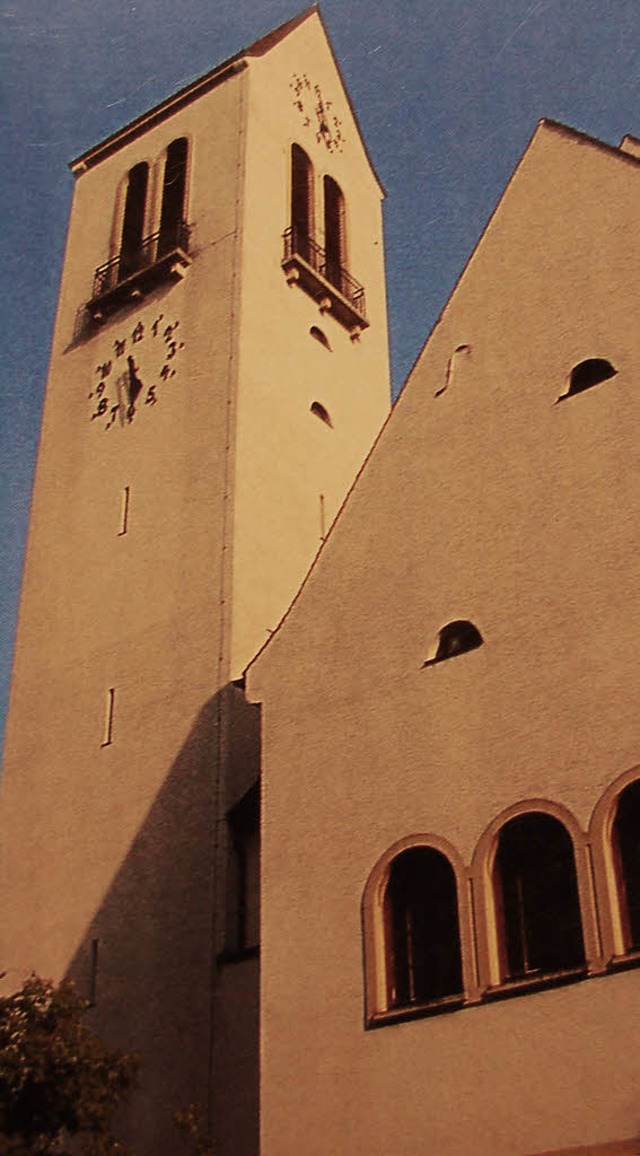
(102, 408)
(151, 398)
(113, 412)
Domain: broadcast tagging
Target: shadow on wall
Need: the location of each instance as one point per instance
(149, 962)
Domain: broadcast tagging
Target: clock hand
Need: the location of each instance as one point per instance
(135, 384)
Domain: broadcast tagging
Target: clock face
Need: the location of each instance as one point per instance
(140, 364)
(317, 112)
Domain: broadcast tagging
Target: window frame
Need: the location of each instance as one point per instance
(487, 926)
(375, 952)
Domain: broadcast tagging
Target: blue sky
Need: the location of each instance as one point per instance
(448, 93)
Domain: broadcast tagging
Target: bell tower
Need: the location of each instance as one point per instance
(219, 370)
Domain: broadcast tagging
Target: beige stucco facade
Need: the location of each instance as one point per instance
(168, 535)
(486, 499)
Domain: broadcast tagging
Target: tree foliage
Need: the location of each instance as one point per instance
(58, 1081)
(192, 1124)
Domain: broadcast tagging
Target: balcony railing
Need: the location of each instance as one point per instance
(160, 256)
(324, 278)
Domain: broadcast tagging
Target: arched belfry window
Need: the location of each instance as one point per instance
(422, 932)
(536, 898)
(131, 250)
(626, 853)
(455, 638)
(174, 188)
(588, 373)
(335, 241)
(301, 201)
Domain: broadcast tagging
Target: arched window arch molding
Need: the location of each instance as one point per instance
(604, 870)
(159, 173)
(483, 894)
(375, 954)
(294, 147)
(323, 177)
(155, 187)
(115, 243)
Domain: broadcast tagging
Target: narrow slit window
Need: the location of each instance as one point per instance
(335, 241)
(320, 411)
(107, 737)
(173, 196)
(131, 247)
(626, 854)
(455, 638)
(422, 932)
(243, 875)
(301, 202)
(124, 511)
(537, 904)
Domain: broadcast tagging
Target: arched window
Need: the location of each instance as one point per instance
(536, 898)
(455, 638)
(335, 241)
(131, 251)
(422, 933)
(173, 196)
(626, 852)
(301, 202)
(588, 373)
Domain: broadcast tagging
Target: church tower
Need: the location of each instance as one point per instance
(218, 373)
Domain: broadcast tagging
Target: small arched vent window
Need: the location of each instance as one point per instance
(131, 250)
(422, 932)
(588, 373)
(319, 410)
(453, 639)
(536, 898)
(173, 196)
(320, 336)
(626, 853)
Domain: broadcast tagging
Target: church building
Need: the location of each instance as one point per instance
(322, 768)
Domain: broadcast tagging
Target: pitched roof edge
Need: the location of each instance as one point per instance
(545, 123)
(585, 138)
(350, 104)
(229, 67)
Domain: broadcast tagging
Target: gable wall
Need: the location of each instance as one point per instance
(493, 503)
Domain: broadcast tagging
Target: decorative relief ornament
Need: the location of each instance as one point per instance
(139, 366)
(317, 112)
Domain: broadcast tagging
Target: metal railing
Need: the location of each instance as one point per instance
(298, 244)
(151, 250)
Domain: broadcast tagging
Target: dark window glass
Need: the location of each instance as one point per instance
(173, 195)
(456, 638)
(301, 201)
(131, 251)
(626, 847)
(536, 892)
(334, 233)
(422, 931)
(243, 875)
(590, 372)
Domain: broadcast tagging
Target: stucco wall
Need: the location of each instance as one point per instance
(489, 502)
